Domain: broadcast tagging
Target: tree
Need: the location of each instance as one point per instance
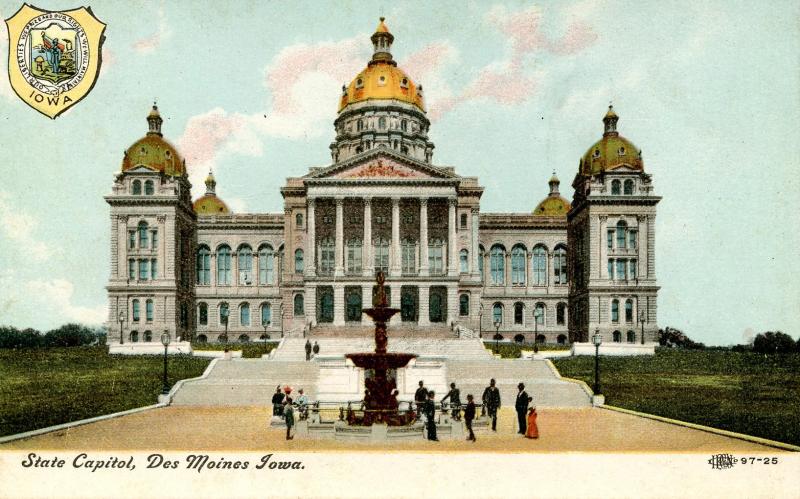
(773, 342)
(672, 337)
(69, 335)
(11, 337)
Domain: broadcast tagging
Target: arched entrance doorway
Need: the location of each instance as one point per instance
(437, 304)
(353, 301)
(408, 304)
(324, 304)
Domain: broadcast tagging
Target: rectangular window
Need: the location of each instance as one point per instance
(354, 258)
(435, 263)
(153, 269)
(632, 272)
(154, 240)
(632, 239)
(621, 269)
(610, 239)
(142, 270)
(381, 257)
(132, 269)
(610, 268)
(131, 240)
(148, 310)
(136, 310)
(409, 259)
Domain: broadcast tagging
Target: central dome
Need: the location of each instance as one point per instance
(382, 79)
(612, 151)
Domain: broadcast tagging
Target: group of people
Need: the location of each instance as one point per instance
(283, 407)
(310, 349)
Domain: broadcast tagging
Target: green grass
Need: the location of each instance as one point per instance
(49, 386)
(742, 392)
(249, 350)
(514, 350)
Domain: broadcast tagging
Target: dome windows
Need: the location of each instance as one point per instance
(621, 150)
(628, 187)
(404, 83)
(382, 123)
(382, 80)
(359, 83)
(596, 153)
(615, 187)
(136, 188)
(167, 154)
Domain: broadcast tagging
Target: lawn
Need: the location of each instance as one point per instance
(736, 391)
(48, 386)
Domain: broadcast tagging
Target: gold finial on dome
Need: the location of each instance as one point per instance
(382, 44)
(154, 121)
(211, 184)
(610, 121)
(554, 183)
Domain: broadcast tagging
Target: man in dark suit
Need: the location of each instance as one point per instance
(420, 396)
(308, 350)
(455, 401)
(491, 400)
(469, 415)
(521, 405)
(430, 414)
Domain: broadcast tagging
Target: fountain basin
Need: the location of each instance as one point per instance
(388, 360)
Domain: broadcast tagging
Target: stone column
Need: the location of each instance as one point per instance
(311, 240)
(394, 255)
(452, 303)
(310, 303)
(366, 301)
(422, 312)
(394, 300)
(338, 304)
(474, 246)
(507, 269)
(339, 249)
(368, 262)
(603, 247)
(528, 270)
(423, 241)
(452, 245)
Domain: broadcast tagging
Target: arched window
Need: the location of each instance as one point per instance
(142, 234)
(243, 338)
(541, 339)
(560, 264)
(518, 266)
(538, 313)
(298, 220)
(614, 310)
(409, 249)
(202, 339)
(463, 305)
(562, 339)
(561, 312)
(224, 313)
(223, 338)
(327, 256)
(615, 187)
(497, 313)
(266, 314)
(519, 310)
(148, 188)
(244, 314)
(380, 249)
(298, 261)
(539, 266)
(148, 310)
(224, 265)
(631, 337)
(621, 230)
(203, 266)
(359, 125)
(382, 123)
(137, 187)
(353, 305)
(299, 308)
(266, 265)
(497, 264)
(520, 338)
(629, 310)
(628, 189)
(202, 314)
(143, 269)
(463, 260)
(136, 310)
(148, 336)
(481, 256)
(403, 125)
(354, 256)
(135, 336)
(245, 262)
(617, 337)
(436, 256)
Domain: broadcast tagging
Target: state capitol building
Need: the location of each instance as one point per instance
(555, 274)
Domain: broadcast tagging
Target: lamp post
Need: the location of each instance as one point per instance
(536, 314)
(165, 340)
(224, 316)
(480, 321)
(641, 321)
(597, 339)
(496, 336)
(121, 318)
(280, 310)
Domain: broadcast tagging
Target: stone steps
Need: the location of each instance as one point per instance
(293, 349)
(368, 331)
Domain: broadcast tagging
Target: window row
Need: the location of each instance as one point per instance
(621, 237)
(136, 311)
(148, 269)
(243, 338)
(621, 269)
(539, 313)
(628, 310)
(354, 256)
(244, 260)
(145, 236)
(147, 336)
(136, 188)
(630, 337)
(497, 265)
(223, 314)
(618, 187)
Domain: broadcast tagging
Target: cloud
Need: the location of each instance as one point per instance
(18, 226)
(109, 60)
(56, 295)
(5, 86)
(150, 43)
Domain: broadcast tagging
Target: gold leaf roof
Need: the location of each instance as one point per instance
(155, 153)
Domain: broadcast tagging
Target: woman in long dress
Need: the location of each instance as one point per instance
(288, 413)
(533, 430)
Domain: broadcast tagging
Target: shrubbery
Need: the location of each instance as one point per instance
(774, 342)
(671, 337)
(68, 335)
(252, 350)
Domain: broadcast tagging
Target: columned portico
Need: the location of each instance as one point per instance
(368, 263)
(423, 237)
(394, 258)
(474, 269)
(339, 249)
(452, 243)
(311, 267)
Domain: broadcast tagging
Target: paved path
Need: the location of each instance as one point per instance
(245, 429)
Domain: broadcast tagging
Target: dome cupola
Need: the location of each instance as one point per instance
(612, 151)
(553, 205)
(153, 152)
(209, 203)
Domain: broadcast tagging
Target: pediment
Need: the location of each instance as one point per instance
(380, 166)
(141, 169)
(623, 168)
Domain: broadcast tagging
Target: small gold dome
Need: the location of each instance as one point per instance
(553, 205)
(155, 153)
(210, 204)
(612, 151)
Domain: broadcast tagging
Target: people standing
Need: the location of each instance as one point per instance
(420, 396)
(469, 415)
(308, 350)
(316, 349)
(288, 412)
(491, 400)
(455, 401)
(533, 428)
(521, 405)
(302, 405)
(430, 415)
(277, 402)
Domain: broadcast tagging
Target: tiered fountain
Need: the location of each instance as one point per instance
(380, 406)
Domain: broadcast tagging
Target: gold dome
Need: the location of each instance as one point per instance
(382, 79)
(153, 152)
(612, 151)
(210, 204)
(553, 205)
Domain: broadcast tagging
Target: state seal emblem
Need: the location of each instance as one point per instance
(53, 56)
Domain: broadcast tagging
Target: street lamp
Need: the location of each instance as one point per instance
(480, 321)
(597, 339)
(121, 318)
(265, 322)
(537, 312)
(224, 316)
(496, 336)
(165, 340)
(280, 310)
(641, 321)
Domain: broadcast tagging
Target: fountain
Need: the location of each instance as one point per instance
(380, 406)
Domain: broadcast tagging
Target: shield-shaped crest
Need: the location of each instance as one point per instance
(53, 56)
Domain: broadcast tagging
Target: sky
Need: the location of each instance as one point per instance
(710, 91)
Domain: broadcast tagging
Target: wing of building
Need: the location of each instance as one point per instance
(555, 273)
